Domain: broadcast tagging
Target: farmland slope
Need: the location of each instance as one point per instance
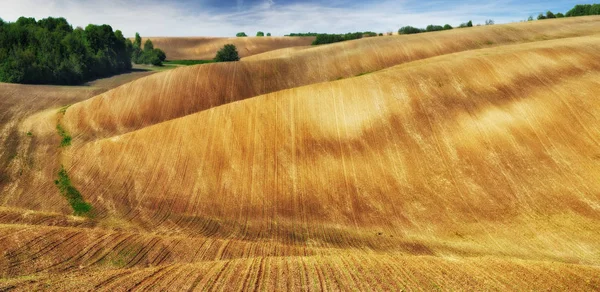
(452, 166)
(184, 91)
(205, 48)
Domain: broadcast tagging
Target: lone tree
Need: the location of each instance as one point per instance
(240, 34)
(260, 34)
(268, 34)
(228, 53)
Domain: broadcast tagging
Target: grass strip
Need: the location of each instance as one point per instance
(63, 183)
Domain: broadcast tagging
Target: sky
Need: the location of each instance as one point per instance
(227, 17)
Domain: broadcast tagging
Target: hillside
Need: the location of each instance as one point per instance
(188, 90)
(205, 48)
(461, 160)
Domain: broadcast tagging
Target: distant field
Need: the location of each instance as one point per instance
(205, 48)
(457, 160)
(187, 62)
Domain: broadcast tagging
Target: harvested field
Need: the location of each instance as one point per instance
(456, 160)
(205, 48)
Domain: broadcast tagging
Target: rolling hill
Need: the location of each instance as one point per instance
(205, 48)
(456, 160)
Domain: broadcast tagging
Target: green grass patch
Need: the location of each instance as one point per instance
(363, 73)
(188, 62)
(29, 134)
(63, 183)
(66, 138)
(63, 110)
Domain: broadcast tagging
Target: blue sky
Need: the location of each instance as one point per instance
(226, 17)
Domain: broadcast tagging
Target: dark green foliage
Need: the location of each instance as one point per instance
(148, 45)
(63, 183)
(188, 62)
(429, 28)
(559, 15)
(380, 34)
(582, 10)
(241, 34)
(260, 34)
(541, 16)
(66, 138)
(432, 27)
(410, 30)
(149, 55)
(466, 24)
(50, 51)
(550, 15)
(228, 53)
(29, 134)
(324, 38)
(327, 39)
(302, 34)
(161, 54)
(268, 34)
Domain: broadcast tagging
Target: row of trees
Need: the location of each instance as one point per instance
(258, 34)
(578, 10)
(324, 38)
(302, 34)
(432, 27)
(149, 55)
(50, 51)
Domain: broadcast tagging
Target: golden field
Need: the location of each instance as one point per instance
(205, 48)
(459, 160)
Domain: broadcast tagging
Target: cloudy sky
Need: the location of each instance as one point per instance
(226, 17)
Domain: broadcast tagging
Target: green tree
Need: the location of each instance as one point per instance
(50, 51)
(432, 27)
(268, 34)
(447, 26)
(228, 53)
(409, 30)
(541, 16)
(240, 34)
(550, 15)
(138, 40)
(260, 34)
(559, 15)
(148, 46)
(136, 50)
(161, 54)
(470, 24)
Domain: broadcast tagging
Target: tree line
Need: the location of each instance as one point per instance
(258, 34)
(578, 10)
(50, 51)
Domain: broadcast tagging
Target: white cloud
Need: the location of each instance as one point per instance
(158, 18)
